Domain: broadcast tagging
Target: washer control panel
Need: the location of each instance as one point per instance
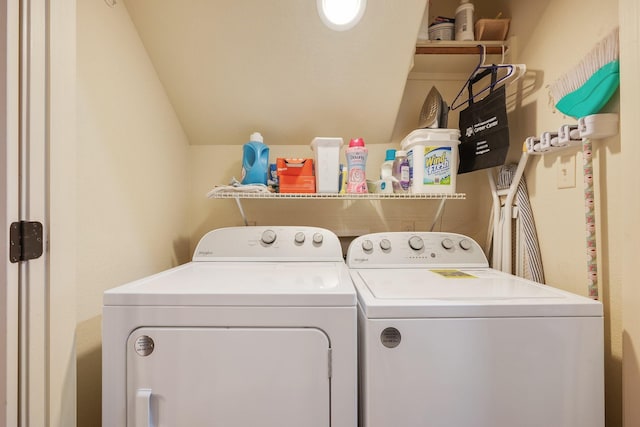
(414, 250)
(277, 243)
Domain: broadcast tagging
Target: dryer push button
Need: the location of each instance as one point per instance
(268, 237)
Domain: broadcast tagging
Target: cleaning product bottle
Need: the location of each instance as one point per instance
(402, 180)
(386, 170)
(255, 160)
(385, 185)
(464, 21)
(356, 155)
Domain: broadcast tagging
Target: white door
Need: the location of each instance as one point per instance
(37, 104)
(228, 377)
(9, 212)
(23, 297)
(33, 281)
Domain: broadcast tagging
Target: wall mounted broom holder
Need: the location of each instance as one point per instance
(595, 126)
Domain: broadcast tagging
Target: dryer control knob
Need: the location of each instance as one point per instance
(317, 238)
(416, 243)
(447, 243)
(299, 237)
(268, 237)
(385, 244)
(465, 244)
(367, 245)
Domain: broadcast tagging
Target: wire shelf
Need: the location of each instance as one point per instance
(333, 196)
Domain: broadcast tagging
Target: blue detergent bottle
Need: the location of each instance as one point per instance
(255, 160)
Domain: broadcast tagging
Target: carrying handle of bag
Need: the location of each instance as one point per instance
(480, 76)
(482, 69)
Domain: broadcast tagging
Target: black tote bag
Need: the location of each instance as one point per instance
(484, 140)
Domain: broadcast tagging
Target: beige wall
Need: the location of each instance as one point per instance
(551, 50)
(630, 209)
(132, 168)
(63, 216)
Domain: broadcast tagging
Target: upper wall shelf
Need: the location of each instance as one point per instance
(453, 60)
(450, 47)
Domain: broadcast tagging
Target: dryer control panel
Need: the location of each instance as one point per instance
(415, 250)
(262, 243)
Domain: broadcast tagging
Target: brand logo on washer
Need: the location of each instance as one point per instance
(144, 345)
(390, 337)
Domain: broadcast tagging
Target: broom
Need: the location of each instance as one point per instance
(589, 86)
(579, 93)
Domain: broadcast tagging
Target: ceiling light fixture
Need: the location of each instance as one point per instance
(341, 15)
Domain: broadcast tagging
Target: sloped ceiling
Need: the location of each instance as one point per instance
(231, 67)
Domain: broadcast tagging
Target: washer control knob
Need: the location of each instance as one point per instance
(317, 238)
(385, 244)
(416, 243)
(299, 237)
(465, 244)
(367, 245)
(268, 237)
(447, 243)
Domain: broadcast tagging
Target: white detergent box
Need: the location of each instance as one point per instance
(326, 153)
(433, 160)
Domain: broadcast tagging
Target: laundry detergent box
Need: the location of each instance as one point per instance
(433, 160)
(326, 152)
(295, 175)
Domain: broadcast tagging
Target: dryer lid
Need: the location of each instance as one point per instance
(482, 292)
(241, 284)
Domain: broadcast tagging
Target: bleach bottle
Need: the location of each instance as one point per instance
(255, 160)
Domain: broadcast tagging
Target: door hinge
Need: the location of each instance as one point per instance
(25, 241)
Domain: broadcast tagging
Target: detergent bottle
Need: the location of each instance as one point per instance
(255, 160)
(356, 155)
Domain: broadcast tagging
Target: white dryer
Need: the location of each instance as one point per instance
(447, 341)
(258, 330)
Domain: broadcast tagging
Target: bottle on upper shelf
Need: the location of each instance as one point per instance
(464, 21)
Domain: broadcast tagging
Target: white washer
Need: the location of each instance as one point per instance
(259, 329)
(447, 341)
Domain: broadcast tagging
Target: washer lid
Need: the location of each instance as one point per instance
(241, 284)
(425, 293)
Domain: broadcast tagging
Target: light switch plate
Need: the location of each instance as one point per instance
(566, 171)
